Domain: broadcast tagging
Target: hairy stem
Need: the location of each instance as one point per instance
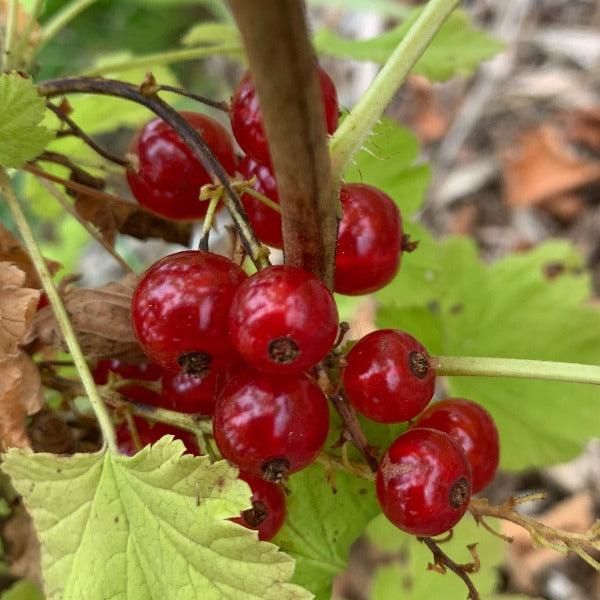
(515, 367)
(151, 61)
(189, 135)
(284, 69)
(355, 129)
(60, 313)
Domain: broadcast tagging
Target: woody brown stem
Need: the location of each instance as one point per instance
(284, 69)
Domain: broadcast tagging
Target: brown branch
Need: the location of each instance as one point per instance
(442, 560)
(283, 65)
(63, 116)
(131, 219)
(218, 104)
(201, 151)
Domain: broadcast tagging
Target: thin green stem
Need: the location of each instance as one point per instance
(208, 221)
(25, 35)
(62, 18)
(162, 58)
(9, 33)
(60, 313)
(516, 367)
(248, 189)
(356, 127)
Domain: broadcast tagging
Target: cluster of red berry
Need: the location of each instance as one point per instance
(166, 179)
(243, 349)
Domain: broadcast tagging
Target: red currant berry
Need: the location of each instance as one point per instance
(180, 310)
(148, 433)
(142, 371)
(283, 320)
(265, 221)
(246, 116)
(388, 377)
(268, 511)
(167, 177)
(473, 428)
(369, 242)
(424, 482)
(270, 426)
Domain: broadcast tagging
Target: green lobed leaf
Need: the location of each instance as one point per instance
(457, 48)
(511, 309)
(409, 578)
(153, 526)
(322, 525)
(22, 110)
(22, 590)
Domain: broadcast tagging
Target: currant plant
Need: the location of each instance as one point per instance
(256, 421)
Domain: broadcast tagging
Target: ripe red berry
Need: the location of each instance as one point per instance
(473, 428)
(149, 433)
(283, 320)
(369, 242)
(180, 310)
(270, 426)
(388, 377)
(143, 371)
(246, 116)
(265, 221)
(268, 511)
(424, 482)
(167, 177)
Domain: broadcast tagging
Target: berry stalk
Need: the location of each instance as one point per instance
(517, 368)
(357, 126)
(104, 420)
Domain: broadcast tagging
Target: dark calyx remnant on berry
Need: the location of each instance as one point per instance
(257, 514)
(283, 350)
(276, 470)
(459, 493)
(195, 363)
(419, 364)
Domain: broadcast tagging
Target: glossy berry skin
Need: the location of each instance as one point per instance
(283, 320)
(424, 482)
(369, 242)
(268, 511)
(473, 428)
(166, 177)
(180, 310)
(152, 432)
(246, 116)
(265, 221)
(270, 426)
(143, 371)
(388, 377)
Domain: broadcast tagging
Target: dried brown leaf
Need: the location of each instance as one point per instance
(99, 213)
(17, 308)
(101, 319)
(544, 166)
(12, 251)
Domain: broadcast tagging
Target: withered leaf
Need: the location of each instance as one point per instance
(12, 251)
(17, 308)
(101, 319)
(20, 395)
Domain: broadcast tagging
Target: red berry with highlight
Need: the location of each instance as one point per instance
(149, 433)
(143, 371)
(388, 377)
(246, 116)
(166, 177)
(283, 320)
(268, 511)
(271, 426)
(369, 243)
(473, 428)
(265, 221)
(180, 310)
(424, 482)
